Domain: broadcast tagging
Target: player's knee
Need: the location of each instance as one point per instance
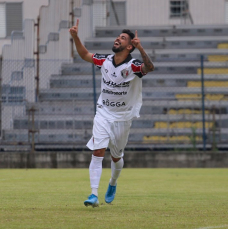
(115, 159)
(99, 152)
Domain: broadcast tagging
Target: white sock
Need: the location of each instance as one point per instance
(95, 170)
(116, 170)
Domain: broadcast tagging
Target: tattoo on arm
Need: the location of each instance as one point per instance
(148, 64)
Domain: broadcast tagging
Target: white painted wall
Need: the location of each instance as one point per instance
(208, 11)
(156, 12)
(30, 7)
(30, 11)
(138, 12)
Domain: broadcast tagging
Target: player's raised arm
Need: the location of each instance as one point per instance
(82, 51)
(148, 64)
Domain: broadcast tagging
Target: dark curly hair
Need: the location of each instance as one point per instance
(131, 35)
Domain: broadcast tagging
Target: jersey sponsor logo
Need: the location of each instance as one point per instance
(112, 84)
(100, 56)
(114, 93)
(113, 104)
(114, 74)
(99, 105)
(137, 62)
(124, 73)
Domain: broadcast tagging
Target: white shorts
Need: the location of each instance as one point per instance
(110, 134)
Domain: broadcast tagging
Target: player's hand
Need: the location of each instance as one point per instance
(136, 42)
(74, 30)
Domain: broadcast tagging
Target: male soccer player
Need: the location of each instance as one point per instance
(119, 102)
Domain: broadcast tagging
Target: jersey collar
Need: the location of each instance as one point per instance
(129, 57)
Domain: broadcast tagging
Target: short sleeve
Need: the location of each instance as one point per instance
(136, 67)
(99, 59)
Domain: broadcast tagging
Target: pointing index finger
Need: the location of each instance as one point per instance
(77, 23)
(136, 34)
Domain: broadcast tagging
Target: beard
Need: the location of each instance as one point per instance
(119, 49)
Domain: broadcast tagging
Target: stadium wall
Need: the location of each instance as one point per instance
(157, 12)
(30, 11)
(143, 13)
(132, 159)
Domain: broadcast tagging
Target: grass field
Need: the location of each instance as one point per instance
(146, 198)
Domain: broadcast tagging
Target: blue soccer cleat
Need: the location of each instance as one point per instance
(110, 194)
(92, 201)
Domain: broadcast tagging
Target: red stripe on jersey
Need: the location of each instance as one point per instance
(97, 61)
(136, 68)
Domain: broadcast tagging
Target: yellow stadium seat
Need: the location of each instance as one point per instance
(194, 84)
(212, 71)
(200, 125)
(188, 96)
(198, 97)
(218, 58)
(181, 125)
(154, 138)
(173, 112)
(222, 46)
(160, 125)
(180, 111)
(186, 111)
(215, 97)
(181, 138)
(208, 84)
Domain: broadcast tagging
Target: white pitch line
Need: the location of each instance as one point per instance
(222, 226)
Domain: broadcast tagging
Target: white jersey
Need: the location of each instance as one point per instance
(121, 88)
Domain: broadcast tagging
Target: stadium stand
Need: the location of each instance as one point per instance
(172, 109)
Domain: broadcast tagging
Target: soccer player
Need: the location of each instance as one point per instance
(119, 102)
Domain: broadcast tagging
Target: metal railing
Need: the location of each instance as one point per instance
(176, 110)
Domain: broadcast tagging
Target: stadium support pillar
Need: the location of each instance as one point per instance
(72, 24)
(37, 53)
(203, 107)
(31, 130)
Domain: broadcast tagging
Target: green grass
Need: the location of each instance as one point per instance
(146, 198)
